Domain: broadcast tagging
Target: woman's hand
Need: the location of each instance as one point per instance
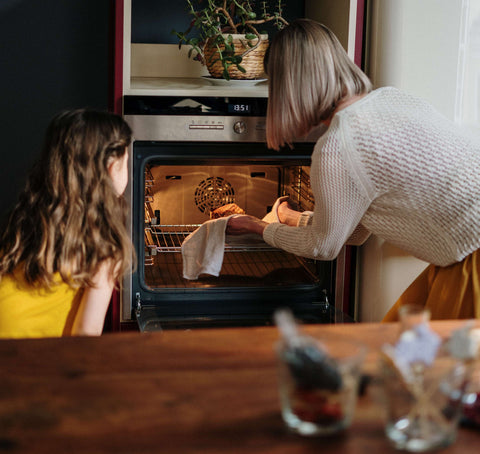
(287, 215)
(243, 223)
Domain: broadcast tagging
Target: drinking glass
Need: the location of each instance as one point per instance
(423, 408)
(318, 383)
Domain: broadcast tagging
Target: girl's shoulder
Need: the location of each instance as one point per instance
(31, 312)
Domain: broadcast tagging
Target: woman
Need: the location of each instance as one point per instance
(388, 165)
(65, 243)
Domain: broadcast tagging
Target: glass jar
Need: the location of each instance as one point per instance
(318, 383)
(422, 386)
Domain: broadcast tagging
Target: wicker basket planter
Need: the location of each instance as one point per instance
(252, 60)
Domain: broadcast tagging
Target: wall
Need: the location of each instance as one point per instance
(154, 20)
(430, 48)
(335, 14)
(54, 55)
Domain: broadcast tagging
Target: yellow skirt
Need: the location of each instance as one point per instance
(451, 292)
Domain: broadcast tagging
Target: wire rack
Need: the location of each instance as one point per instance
(300, 188)
(169, 238)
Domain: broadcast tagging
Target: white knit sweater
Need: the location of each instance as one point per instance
(391, 165)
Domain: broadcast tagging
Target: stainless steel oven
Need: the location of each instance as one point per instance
(189, 156)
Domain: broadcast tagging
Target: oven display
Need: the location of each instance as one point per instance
(239, 108)
(195, 105)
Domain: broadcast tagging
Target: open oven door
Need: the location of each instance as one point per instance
(175, 186)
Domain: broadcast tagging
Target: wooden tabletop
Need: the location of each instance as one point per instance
(193, 391)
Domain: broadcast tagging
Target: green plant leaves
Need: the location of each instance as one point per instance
(217, 20)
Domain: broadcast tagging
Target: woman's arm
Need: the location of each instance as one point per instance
(94, 303)
(341, 201)
(238, 225)
(359, 236)
(244, 223)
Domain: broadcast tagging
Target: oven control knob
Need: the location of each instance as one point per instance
(240, 127)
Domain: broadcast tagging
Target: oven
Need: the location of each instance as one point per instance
(189, 156)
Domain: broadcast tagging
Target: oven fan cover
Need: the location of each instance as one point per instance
(212, 193)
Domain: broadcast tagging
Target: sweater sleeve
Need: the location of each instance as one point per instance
(305, 218)
(340, 203)
(357, 238)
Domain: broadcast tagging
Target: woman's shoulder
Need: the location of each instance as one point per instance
(396, 97)
(388, 94)
(384, 105)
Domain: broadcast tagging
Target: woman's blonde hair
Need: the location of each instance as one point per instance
(309, 73)
(69, 218)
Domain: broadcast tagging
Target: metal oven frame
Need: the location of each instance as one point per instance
(199, 139)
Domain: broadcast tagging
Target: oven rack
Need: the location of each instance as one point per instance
(300, 185)
(169, 238)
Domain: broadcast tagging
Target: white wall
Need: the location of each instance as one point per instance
(430, 48)
(467, 108)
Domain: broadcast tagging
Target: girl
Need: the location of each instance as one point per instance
(388, 164)
(65, 243)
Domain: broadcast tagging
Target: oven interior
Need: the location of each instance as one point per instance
(175, 188)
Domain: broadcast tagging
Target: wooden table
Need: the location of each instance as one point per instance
(194, 391)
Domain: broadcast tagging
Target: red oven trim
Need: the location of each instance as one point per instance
(349, 273)
(359, 32)
(117, 77)
(350, 253)
(112, 319)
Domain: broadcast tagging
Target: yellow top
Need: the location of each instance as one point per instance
(28, 312)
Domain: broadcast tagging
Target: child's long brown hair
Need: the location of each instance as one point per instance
(69, 219)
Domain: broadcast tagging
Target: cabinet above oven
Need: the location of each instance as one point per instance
(156, 68)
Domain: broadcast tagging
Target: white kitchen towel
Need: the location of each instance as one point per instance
(203, 249)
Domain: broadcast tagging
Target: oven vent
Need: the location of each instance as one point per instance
(212, 193)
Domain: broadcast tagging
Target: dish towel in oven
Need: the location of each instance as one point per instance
(203, 249)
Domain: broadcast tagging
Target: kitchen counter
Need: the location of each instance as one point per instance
(194, 391)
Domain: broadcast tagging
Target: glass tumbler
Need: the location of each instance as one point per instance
(411, 315)
(423, 408)
(318, 384)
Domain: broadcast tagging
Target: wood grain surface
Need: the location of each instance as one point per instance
(188, 391)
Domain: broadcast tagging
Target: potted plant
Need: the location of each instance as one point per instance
(228, 41)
